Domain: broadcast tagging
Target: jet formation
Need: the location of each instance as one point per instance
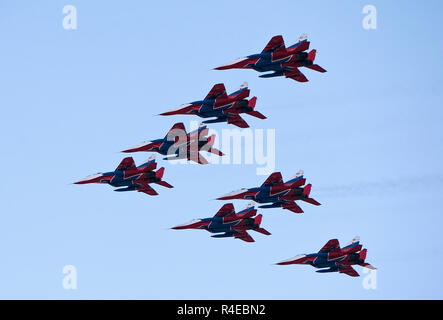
(332, 258)
(275, 60)
(280, 194)
(278, 59)
(128, 177)
(227, 223)
(224, 108)
(177, 144)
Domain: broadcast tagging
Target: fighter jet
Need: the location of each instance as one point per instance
(130, 177)
(335, 259)
(279, 59)
(177, 144)
(225, 108)
(227, 223)
(281, 194)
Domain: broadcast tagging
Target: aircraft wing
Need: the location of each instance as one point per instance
(348, 270)
(237, 121)
(296, 75)
(243, 235)
(145, 188)
(127, 163)
(274, 178)
(217, 91)
(227, 209)
(330, 246)
(292, 206)
(274, 44)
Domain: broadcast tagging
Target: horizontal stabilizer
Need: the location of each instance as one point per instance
(197, 158)
(311, 201)
(243, 235)
(263, 231)
(316, 67)
(147, 189)
(164, 184)
(237, 121)
(256, 114)
(296, 75)
(348, 270)
(292, 206)
(211, 149)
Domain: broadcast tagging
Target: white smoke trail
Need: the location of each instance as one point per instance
(410, 184)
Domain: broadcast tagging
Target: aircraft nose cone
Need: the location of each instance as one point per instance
(190, 225)
(82, 182)
(180, 227)
(130, 150)
(145, 146)
(282, 263)
(91, 179)
(300, 259)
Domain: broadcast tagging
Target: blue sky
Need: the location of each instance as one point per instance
(367, 133)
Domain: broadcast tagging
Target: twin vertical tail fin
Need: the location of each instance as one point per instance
(159, 174)
(254, 113)
(311, 55)
(362, 256)
(257, 221)
(307, 192)
(211, 140)
(211, 148)
(316, 67)
(252, 102)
